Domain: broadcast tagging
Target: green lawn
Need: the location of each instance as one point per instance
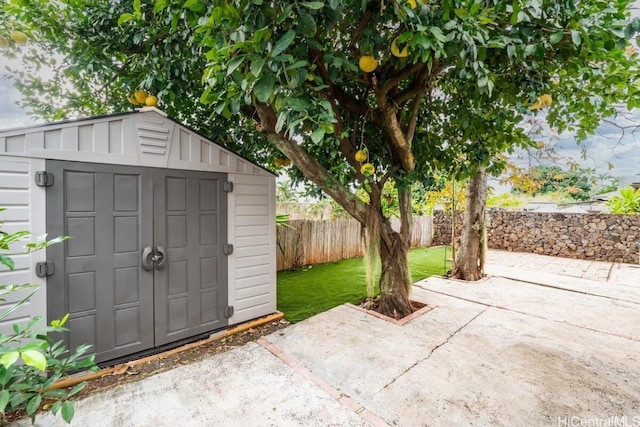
(314, 289)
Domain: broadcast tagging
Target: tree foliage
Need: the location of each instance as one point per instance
(285, 76)
(575, 184)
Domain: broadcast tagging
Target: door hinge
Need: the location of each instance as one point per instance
(228, 249)
(44, 179)
(45, 269)
(228, 312)
(227, 186)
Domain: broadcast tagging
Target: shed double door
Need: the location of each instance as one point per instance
(145, 265)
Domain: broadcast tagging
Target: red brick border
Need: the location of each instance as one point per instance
(344, 400)
(399, 322)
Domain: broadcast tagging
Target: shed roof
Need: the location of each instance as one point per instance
(143, 137)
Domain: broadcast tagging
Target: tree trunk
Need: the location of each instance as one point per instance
(468, 265)
(395, 277)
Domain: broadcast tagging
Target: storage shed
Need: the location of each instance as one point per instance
(173, 235)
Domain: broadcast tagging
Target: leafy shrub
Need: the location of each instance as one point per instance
(626, 203)
(30, 360)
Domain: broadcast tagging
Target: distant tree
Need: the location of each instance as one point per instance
(285, 191)
(553, 179)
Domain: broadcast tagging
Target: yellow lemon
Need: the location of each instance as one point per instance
(278, 162)
(286, 162)
(546, 99)
(141, 96)
(367, 169)
(412, 3)
(536, 105)
(132, 99)
(360, 156)
(151, 101)
(18, 36)
(397, 52)
(368, 63)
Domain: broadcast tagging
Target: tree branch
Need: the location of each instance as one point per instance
(405, 72)
(308, 165)
(411, 127)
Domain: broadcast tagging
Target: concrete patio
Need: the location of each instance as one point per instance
(542, 341)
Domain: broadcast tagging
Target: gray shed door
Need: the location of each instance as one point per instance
(145, 265)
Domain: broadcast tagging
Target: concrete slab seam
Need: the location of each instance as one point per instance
(342, 398)
(499, 307)
(565, 289)
(433, 350)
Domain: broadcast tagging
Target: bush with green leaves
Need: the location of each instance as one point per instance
(31, 361)
(627, 202)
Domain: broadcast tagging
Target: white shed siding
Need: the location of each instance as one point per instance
(16, 176)
(158, 142)
(144, 138)
(252, 209)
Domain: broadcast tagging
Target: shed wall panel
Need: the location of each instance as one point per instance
(16, 178)
(253, 201)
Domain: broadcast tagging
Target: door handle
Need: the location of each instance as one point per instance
(160, 258)
(147, 261)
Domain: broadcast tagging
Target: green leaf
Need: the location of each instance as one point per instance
(194, 5)
(9, 359)
(78, 388)
(317, 135)
(234, 64)
(136, 8)
(516, 12)
(256, 66)
(283, 116)
(556, 37)
(7, 261)
(297, 64)
(264, 87)
(315, 5)
(159, 5)
(5, 375)
(297, 104)
(306, 24)
(437, 33)
(34, 404)
(60, 322)
(4, 400)
(34, 358)
(576, 37)
(56, 407)
(461, 13)
(125, 17)
(283, 42)
(67, 411)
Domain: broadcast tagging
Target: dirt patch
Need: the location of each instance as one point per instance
(129, 373)
(371, 306)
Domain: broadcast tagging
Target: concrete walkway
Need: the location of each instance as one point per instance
(543, 341)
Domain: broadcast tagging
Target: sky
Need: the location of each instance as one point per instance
(616, 142)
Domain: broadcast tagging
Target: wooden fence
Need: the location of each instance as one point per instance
(314, 242)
